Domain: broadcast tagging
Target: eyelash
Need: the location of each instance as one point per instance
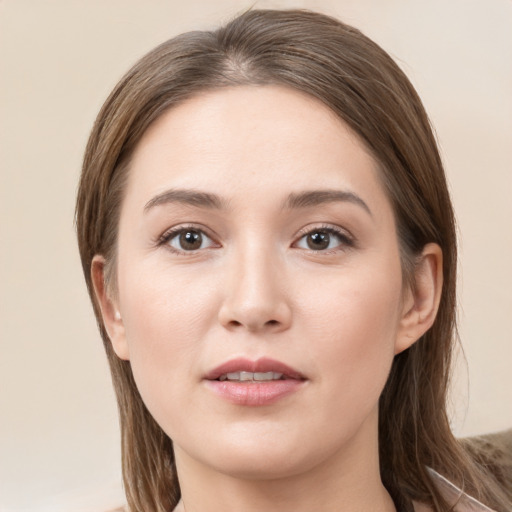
(174, 232)
(346, 241)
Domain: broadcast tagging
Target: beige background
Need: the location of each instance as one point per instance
(58, 61)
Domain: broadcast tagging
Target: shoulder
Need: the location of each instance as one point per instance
(494, 453)
(459, 500)
(491, 451)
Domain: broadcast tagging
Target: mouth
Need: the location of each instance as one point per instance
(251, 376)
(245, 370)
(254, 383)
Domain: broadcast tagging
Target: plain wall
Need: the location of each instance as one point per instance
(59, 441)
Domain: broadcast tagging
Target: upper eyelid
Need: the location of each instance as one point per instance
(347, 240)
(175, 230)
(326, 227)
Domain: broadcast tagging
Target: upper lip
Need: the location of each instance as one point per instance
(263, 365)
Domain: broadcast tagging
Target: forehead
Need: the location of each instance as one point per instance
(251, 139)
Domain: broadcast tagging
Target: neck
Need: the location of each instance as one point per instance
(348, 480)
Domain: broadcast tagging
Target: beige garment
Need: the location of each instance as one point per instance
(494, 452)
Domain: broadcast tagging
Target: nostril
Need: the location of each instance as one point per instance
(237, 324)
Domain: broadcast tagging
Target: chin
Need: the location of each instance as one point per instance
(264, 457)
(257, 467)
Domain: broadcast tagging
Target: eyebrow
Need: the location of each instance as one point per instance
(317, 197)
(208, 200)
(189, 197)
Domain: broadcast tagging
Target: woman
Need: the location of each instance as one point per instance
(269, 244)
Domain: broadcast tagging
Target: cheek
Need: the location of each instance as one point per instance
(166, 318)
(354, 320)
(167, 304)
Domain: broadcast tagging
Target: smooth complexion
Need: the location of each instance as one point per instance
(255, 227)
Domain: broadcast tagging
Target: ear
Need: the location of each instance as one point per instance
(109, 309)
(421, 303)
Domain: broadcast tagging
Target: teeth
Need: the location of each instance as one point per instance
(250, 376)
(267, 376)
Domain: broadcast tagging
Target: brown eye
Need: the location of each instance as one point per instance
(324, 238)
(188, 239)
(318, 240)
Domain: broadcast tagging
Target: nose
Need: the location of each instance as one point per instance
(255, 297)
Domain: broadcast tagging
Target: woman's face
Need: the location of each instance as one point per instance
(256, 237)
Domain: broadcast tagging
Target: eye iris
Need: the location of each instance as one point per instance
(318, 240)
(191, 240)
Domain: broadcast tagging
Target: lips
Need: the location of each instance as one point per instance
(263, 365)
(254, 383)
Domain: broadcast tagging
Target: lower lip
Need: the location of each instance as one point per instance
(254, 393)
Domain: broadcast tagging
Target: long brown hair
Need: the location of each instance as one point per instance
(358, 81)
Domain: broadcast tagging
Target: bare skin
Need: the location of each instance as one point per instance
(255, 226)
